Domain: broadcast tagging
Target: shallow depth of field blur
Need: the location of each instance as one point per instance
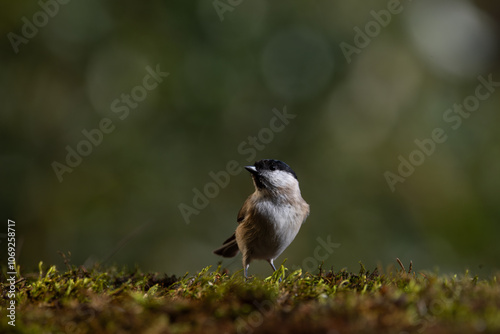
(363, 87)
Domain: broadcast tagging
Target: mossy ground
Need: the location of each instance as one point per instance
(108, 300)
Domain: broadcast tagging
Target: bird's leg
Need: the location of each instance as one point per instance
(272, 264)
(246, 262)
(245, 271)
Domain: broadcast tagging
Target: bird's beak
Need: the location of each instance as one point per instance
(251, 169)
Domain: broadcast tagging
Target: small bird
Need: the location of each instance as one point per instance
(270, 218)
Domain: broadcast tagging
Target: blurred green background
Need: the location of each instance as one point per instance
(230, 64)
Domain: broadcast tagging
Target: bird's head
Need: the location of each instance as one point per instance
(273, 175)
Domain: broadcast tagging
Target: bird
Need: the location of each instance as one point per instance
(271, 216)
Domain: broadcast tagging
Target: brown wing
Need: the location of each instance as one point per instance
(230, 246)
(243, 211)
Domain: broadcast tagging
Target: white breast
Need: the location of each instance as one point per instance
(280, 224)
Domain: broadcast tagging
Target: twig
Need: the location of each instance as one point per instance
(401, 264)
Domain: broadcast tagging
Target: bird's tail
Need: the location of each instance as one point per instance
(229, 248)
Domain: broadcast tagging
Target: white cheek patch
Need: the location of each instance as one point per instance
(281, 179)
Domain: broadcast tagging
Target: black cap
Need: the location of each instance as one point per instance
(270, 164)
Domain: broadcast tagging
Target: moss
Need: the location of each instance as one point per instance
(109, 300)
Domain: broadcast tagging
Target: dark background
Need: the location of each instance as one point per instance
(354, 117)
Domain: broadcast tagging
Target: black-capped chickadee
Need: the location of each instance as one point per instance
(270, 218)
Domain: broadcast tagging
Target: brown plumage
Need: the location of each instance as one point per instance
(270, 218)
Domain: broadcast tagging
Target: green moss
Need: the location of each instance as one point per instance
(109, 300)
